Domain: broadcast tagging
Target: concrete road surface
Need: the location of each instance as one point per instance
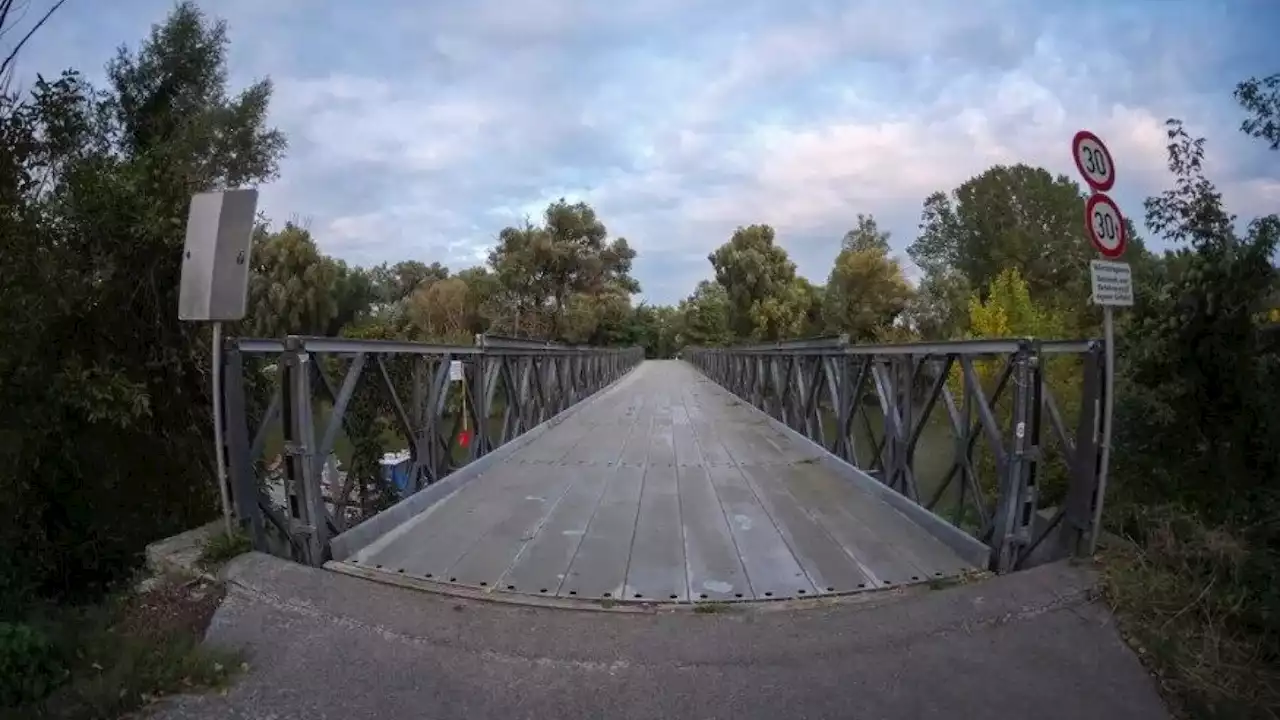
(324, 645)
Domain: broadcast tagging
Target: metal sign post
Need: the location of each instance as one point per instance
(215, 288)
(1112, 282)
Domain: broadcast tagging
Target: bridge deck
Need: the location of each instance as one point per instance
(664, 488)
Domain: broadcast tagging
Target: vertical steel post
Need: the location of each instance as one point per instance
(302, 484)
(219, 448)
(1009, 515)
(1108, 413)
(1086, 463)
(244, 484)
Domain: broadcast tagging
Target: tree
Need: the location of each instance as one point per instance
(759, 279)
(395, 283)
(704, 316)
(441, 311)
(938, 309)
(812, 299)
(866, 290)
(291, 285)
(866, 236)
(522, 286)
(540, 268)
(656, 329)
(1198, 421)
(353, 296)
(482, 290)
(174, 113)
(113, 447)
(1009, 216)
(1261, 100)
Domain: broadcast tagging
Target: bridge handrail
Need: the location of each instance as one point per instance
(507, 386)
(811, 384)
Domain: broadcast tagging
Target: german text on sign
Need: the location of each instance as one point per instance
(1112, 283)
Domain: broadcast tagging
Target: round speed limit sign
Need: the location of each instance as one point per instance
(1106, 225)
(1093, 160)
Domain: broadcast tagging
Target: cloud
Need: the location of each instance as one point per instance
(420, 131)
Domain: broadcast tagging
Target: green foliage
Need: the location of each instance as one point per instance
(392, 284)
(760, 281)
(29, 664)
(292, 287)
(938, 310)
(1016, 216)
(1261, 101)
(221, 547)
(1008, 311)
(541, 268)
(1197, 412)
(1197, 451)
(112, 447)
(866, 291)
(1198, 603)
(704, 316)
(441, 311)
(867, 236)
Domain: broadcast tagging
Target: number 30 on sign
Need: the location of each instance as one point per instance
(1106, 225)
(1093, 160)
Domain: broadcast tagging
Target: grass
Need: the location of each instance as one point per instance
(1187, 597)
(711, 608)
(221, 547)
(121, 655)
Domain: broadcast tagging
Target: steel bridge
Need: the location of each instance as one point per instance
(766, 472)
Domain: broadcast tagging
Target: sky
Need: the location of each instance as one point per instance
(419, 130)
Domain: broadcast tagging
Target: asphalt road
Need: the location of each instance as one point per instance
(323, 645)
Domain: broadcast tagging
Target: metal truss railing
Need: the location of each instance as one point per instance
(1009, 429)
(447, 405)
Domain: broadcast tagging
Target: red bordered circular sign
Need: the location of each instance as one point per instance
(1093, 160)
(1106, 225)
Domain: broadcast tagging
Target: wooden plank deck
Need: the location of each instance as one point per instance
(664, 488)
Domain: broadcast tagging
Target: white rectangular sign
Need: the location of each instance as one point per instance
(215, 258)
(1112, 283)
(455, 370)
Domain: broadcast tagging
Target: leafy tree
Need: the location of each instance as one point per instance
(866, 236)
(541, 268)
(866, 291)
(781, 316)
(1008, 311)
(522, 286)
(1009, 216)
(1192, 350)
(113, 446)
(353, 295)
(704, 316)
(759, 278)
(173, 110)
(1261, 100)
(656, 329)
(395, 283)
(938, 309)
(481, 290)
(292, 287)
(441, 311)
(812, 299)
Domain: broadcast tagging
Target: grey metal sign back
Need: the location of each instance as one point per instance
(215, 259)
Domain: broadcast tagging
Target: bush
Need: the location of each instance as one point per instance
(222, 547)
(1198, 603)
(29, 664)
(1197, 436)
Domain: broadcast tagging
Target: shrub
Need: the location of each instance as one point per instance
(29, 664)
